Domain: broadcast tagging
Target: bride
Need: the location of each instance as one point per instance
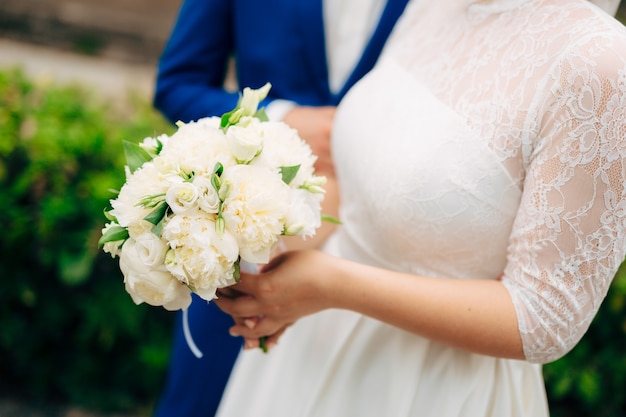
(481, 169)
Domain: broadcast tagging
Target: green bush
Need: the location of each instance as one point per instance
(591, 379)
(68, 330)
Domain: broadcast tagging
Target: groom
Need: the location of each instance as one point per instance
(312, 52)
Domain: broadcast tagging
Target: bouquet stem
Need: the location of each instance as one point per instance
(263, 344)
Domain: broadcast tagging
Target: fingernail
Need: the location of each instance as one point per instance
(233, 332)
(270, 345)
(250, 323)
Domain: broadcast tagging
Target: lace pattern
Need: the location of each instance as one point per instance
(543, 86)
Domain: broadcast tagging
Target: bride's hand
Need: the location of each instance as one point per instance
(288, 288)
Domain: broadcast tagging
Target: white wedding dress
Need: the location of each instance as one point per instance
(488, 142)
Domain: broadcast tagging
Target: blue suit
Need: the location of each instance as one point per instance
(280, 41)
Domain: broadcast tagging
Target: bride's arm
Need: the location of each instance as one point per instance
(473, 315)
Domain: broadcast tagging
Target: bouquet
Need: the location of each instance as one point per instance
(218, 192)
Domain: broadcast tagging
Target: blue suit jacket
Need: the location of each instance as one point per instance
(280, 41)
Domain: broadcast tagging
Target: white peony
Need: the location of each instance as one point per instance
(198, 256)
(152, 286)
(195, 148)
(283, 147)
(145, 181)
(254, 210)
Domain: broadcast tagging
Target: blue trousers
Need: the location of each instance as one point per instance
(194, 386)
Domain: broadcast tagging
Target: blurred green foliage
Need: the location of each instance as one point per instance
(68, 330)
(591, 379)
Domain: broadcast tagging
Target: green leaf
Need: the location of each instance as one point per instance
(237, 271)
(231, 118)
(109, 216)
(136, 156)
(114, 234)
(157, 229)
(159, 146)
(289, 173)
(261, 115)
(218, 168)
(330, 219)
(156, 215)
(225, 119)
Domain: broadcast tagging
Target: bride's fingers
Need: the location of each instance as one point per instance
(251, 343)
(250, 322)
(256, 327)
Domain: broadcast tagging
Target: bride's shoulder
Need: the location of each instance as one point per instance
(594, 39)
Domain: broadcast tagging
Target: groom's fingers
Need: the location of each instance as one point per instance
(256, 327)
(270, 341)
(238, 307)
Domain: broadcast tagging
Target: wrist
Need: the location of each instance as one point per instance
(334, 282)
(276, 110)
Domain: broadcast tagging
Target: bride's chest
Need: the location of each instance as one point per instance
(412, 170)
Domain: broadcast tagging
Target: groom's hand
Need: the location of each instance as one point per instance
(314, 125)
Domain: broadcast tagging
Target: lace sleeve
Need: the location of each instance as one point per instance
(569, 236)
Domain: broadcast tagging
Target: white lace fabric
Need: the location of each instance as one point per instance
(542, 84)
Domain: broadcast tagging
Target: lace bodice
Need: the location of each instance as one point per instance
(489, 142)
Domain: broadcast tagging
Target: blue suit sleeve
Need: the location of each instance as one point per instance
(193, 65)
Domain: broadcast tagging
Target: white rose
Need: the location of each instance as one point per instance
(151, 249)
(245, 142)
(182, 197)
(199, 257)
(152, 286)
(254, 210)
(208, 200)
